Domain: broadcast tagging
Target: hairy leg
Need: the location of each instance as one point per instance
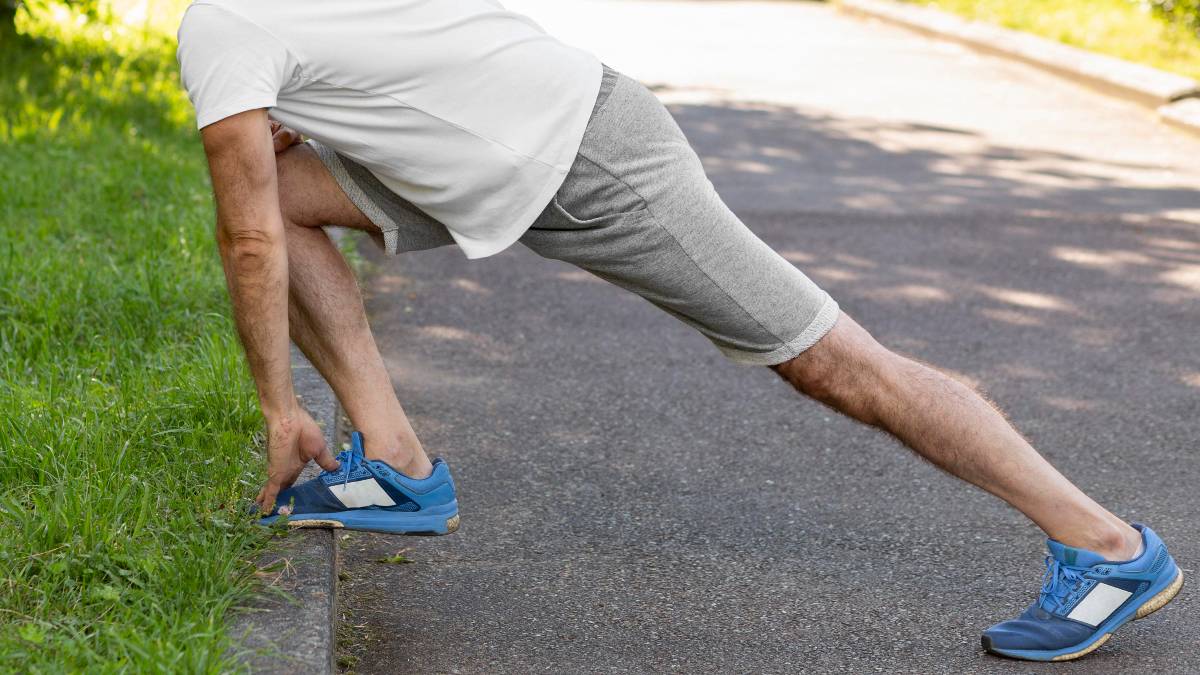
(326, 315)
(947, 423)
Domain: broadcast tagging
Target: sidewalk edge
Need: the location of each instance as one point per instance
(284, 635)
(1183, 114)
(1141, 84)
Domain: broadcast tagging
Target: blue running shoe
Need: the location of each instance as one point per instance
(367, 494)
(1084, 599)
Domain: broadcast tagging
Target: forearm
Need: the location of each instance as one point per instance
(250, 236)
(256, 274)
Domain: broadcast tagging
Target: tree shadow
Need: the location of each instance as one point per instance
(1082, 325)
(659, 468)
(792, 158)
(1048, 278)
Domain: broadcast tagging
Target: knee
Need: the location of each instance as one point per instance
(816, 378)
(844, 369)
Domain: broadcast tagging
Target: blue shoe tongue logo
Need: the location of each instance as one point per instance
(1070, 555)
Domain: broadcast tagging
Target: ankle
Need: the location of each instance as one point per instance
(418, 468)
(404, 455)
(1119, 542)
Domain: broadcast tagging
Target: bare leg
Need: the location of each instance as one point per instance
(954, 428)
(326, 315)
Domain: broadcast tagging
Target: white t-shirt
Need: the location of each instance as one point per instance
(469, 111)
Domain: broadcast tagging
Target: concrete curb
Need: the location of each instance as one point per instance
(1183, 114)
(1142, 84)
(295, 634)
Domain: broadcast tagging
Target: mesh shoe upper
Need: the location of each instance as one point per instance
(361, 483)
(1080, 593)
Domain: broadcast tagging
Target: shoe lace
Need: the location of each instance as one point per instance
(348, 460)
(1059, 581)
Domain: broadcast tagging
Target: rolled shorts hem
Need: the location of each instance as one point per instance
(821, 324)
(379, 217)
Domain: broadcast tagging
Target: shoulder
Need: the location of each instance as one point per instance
(212, 32)
(201, 15)
(213, 20)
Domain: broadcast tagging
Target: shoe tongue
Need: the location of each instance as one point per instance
(1074, 557)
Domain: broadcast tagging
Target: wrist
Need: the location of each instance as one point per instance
(280, 413)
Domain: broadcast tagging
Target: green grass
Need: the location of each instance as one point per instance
(1121, 28)
(127, 420)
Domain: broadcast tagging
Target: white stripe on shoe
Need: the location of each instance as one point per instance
(1099, 604)
(361, 493)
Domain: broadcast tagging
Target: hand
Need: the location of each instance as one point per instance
(283, 137)
(292, 440)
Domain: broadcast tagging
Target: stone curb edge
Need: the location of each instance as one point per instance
(1173, 96)
(296, 634)
(1183, 114)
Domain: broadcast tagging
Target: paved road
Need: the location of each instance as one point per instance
(633, 503)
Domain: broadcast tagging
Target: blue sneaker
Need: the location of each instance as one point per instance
(367, 494)
(1084, 599)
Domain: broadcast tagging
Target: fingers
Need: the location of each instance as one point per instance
(281, 140)
(291, 443)
(325, 459)
(266, 497)
(284, 138)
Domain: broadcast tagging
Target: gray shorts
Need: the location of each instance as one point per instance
(637, 210)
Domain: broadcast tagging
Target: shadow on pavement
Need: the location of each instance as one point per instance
(634, 503)
(797, 159)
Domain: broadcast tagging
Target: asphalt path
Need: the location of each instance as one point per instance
(632, 502)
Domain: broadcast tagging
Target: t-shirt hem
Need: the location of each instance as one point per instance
(230, 109)
(482, 248)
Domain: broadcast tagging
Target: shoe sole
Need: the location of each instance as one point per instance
(437, 520)
(450, 527)
(1159, 601)
(1147, 608)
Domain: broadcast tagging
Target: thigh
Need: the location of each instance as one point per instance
(638, 210)
(397, 224)
(310, 197)
(753, 305)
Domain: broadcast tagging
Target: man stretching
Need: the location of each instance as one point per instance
(437, 122)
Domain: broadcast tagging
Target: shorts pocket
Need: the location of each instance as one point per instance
(592, 196)
(567, 221)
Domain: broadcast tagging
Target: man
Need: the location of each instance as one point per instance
(435, 122)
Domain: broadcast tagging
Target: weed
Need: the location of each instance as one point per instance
(398, 559)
